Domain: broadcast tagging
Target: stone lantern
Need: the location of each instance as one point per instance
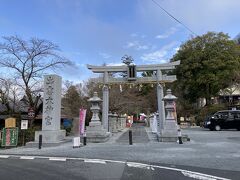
(95, 130)
(169, 100)
(95, 108)
(169, 132)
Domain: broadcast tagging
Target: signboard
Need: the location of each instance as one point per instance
(82, 117)
(31, 113)
(9, 137)
(24, 124)
(76, 142)
(10, 122)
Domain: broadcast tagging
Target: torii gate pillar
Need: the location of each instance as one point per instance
(105, 105)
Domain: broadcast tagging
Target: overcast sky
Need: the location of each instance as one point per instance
(102, 31)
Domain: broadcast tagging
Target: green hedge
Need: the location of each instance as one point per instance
(28, 133)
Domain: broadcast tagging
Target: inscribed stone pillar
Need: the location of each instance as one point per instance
(51, 118)
(52, 103)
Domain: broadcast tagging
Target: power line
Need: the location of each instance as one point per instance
(174, 17)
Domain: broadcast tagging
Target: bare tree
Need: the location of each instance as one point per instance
(4, 94)
(9, 95)
(28, 60)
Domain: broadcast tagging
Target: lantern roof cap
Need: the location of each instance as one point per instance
(95, 98)
(169, 95)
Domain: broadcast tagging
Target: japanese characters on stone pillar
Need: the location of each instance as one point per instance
(51, 132)
(52, 102)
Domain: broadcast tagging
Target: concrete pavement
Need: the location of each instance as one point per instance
(139, 135)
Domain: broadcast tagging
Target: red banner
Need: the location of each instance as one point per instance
(82, 117)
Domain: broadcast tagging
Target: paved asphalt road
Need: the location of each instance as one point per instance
(29, 168)
(208, 152)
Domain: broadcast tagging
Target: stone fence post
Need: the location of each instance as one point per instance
(113, 122)
(123, 121)
(151, 121)
(118, 122)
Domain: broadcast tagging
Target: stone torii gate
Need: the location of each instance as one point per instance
(131, 70)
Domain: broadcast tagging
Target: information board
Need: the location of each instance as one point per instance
(10, 123)
(9, 137)
(24, 124)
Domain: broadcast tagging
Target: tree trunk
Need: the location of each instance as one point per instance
(208, 101)
(208, 96)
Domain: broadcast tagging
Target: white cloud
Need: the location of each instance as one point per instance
(105, 55)
(168, 33)
(159, 56)
(135, 35)
(80, 65)
(142, 47)
(136, 45)
(162, 36)
(131, 44)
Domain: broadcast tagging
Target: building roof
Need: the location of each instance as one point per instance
(231, 91)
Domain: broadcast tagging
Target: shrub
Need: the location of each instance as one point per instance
(29, 134)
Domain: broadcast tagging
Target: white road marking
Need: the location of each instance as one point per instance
(57, 159)
(113, 161)
(4, 156)
(27, 157)
(138, 165)
(196, 176)
(95, 161)
(78, 159)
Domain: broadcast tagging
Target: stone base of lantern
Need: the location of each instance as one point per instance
(96, 133)
(185, 138)
(169, 133)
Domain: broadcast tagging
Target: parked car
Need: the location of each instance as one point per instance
(227, 119)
